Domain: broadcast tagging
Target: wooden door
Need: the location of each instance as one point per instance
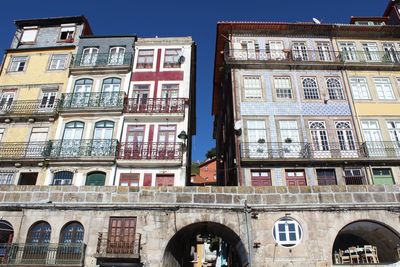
(326, 177)
(165, 180)
(295, 177)
(121, 235)
(261, 178)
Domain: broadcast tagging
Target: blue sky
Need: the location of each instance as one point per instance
(198, 19)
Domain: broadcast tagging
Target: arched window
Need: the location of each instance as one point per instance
(116, 56)
(335, 89)
(310, 88)
(89, 56)
(103, 144)
(39, 233)
(103, 130)
(96, 178)
(6, 233)
(81, 95)
(71, 141)
(319, 135)
(111, 85)
(63, 178)
(72, 232)
(345, 135)
(110, 93)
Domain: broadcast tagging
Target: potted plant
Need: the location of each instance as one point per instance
(288, 140)
(261, 141)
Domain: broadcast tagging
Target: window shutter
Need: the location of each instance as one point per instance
(147, 179)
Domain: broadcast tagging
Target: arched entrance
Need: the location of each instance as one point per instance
(205, 241)
(368, 233)
(6, 232)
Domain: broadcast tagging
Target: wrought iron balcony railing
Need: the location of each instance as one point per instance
(81, 148)
(155, 105)
(118, 247)
(22, 150)
(92, 101)
(150, 151)
(355, 180)
(286, 55)
(28, 107)
(42, 254)
(92, 60)
(383, 149)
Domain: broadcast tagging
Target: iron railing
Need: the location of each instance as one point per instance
(383, 149)
(22, 150)
(118, 247)
(155, 105)
(85, 101)
(150, 151)
(28, 107)
(355, 180)
(42, 254)
(81, 148)
(383, 57)
(335, 150)
(91, 60)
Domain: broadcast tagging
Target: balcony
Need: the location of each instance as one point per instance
(316, 58)
(28, 109)
(101, 150)
(150, 154)
(22, 151)
(68, 254)
(105, 62)
(127, 247)
(164, 107)
(85, 102)
(382, 150)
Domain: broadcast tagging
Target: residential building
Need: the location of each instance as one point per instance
(207, 173)
(393, 12)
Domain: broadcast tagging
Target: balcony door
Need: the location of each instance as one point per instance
(37, 244)
(299, 51)
(47, 102)
(37, 141)
(275, 48)
(140, 95)
(121, 235)
(326, 176)
(371, 52)
(390, 53)
(116, 56)
(319, 137)
(166, 142)
(169, 97)
(295, 177)
(71, 141)
(349, 52)
(373, 139)
(345, 136)
(110, 92)
(70, 245)
(394, 131)
(134, 142)
(102, 144)
(290, 140)
(89, 56)
(81, 95)
(6, 101)
(257, 138)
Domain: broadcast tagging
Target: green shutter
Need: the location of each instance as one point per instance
(97, 178)
(382, 176)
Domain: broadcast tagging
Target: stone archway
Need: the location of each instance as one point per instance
(180, 249)
(366, 232)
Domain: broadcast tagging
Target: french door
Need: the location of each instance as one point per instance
(134, 142)
(373, 139)
(349, 52)
(257, 138)
(71, 142)
(121, 235)
(290, 140)
(319, 138)
(116, 56)
(6, 101)
(47, 102)
(276, 50)
(36, 142)
(140, 94)
(169, 97)
(295, 177)
(166, 142)
(345, 136)
(299, 51)
(89, 56)
(102, 138)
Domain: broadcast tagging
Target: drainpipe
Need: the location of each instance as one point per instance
(247, 211)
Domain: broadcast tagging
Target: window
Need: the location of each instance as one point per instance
(382, 176)
(96, 178)
(121, 235)
(394, 130)
(319, 135)
(48, 99)
(384, 88)
(81, 94)
(261, 178)
(6, 100)
(290, 140)
(283, 87)
(372, 135)
(354, 176)
(6, 177)
(335, 89)
(28, 178)
(348, 51)
(129, 179)
(72, 233)
(275, 49)
(145, 59)
(287, 232)
(359, 88)
(326, 176)
(172, 58)
(299, 51)
(310, 88)
(1, 133)
(252, 87)
(18, 63)
(63, 178)
(164, 180)
(39, 233)
(390, 53)
(345, 135)
(29, 35)
(58, 62)
(116, 56)
(67, 33)
(89, 56)
(370, 51)
(169, 98)
(166, 147)
(324, 51)
(110, 92)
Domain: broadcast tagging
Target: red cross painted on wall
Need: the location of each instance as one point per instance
(157, 75)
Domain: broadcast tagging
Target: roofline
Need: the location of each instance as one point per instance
(28, 49)
(360, 18)
(389, 6)
(50, 21)
(207, 161)
(108, 36)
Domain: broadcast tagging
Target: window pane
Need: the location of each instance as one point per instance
(252, 87)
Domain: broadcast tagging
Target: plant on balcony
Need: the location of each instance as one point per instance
(288, 140)
(261, 141)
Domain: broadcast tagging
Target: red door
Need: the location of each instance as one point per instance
(261, 178)
(166, 141)
(121, 235)
(134, 142)
(165, 180)
(295, 177)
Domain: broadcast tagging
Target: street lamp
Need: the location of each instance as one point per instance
(183, 135)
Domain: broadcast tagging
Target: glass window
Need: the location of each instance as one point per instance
(116, 56)
(299, 50)
(29, 35)
(164, 180)
(39, 233)
(319, 135)
(252, 87)
(359, 88)
(96, 178)
(335, 89)
(370, 51)
(58, 62)
(348, 51)
(89, 56)
(287, 232)
(324, 51)
(145, 59)
(72, 233)
(384, 88)
(6, 177)
(67, 33)
(310, 88)
(283, 87)
(63, 178)
(1, 133)
(129, 179)
(345, 135)
(172, 57)
(18, 64)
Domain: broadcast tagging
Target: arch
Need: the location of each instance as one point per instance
(39, 233)
(368, 232)
(96, 178)
(335, 89)
(111, 84)
(6, 232)
(72, 232)
(181, 249)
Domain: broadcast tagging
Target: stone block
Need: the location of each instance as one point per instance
(203, 189)
(307, 198)
(254, 199)
(122, 189)
(165, 197)
(74, 197)
(230, 189)
(397, 196)
(376, 188)
(362, 197)
(357, 188)
(119, 198)
(239, 199)
(174, 189)
(39, 197)
(305, 189)
(56, 197)
(94, 197)
(146, 196)
(321, 188)
(294, 189)
(384, 197)
(133, 197)
(245, 189)
(265, 190)
(204, 198)
(289, 199)
(217, 189)
(271, 199)
(133, 189)
(70, 188)
(184, 198)
(343, 198)
(326, 198)
(12, 197)
(281, 189)
(2, 196)
(224, 198)
(339, 188)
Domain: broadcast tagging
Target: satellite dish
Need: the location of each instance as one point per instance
(316, 21)
(181, 59)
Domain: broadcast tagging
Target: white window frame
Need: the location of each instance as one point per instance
(1, 133)
(58, 61)
(349, 51)
(324, 51)
(7, 178)
(299, 51)
(29, 34)
(359, 88)
(117, 57)
(310, 92)
(335, 88)
(252, 87)
(67, 28)
(283, 226)
(384, 88)
(18, 63)
(283, 87)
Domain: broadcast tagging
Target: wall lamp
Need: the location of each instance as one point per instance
(183, 135)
